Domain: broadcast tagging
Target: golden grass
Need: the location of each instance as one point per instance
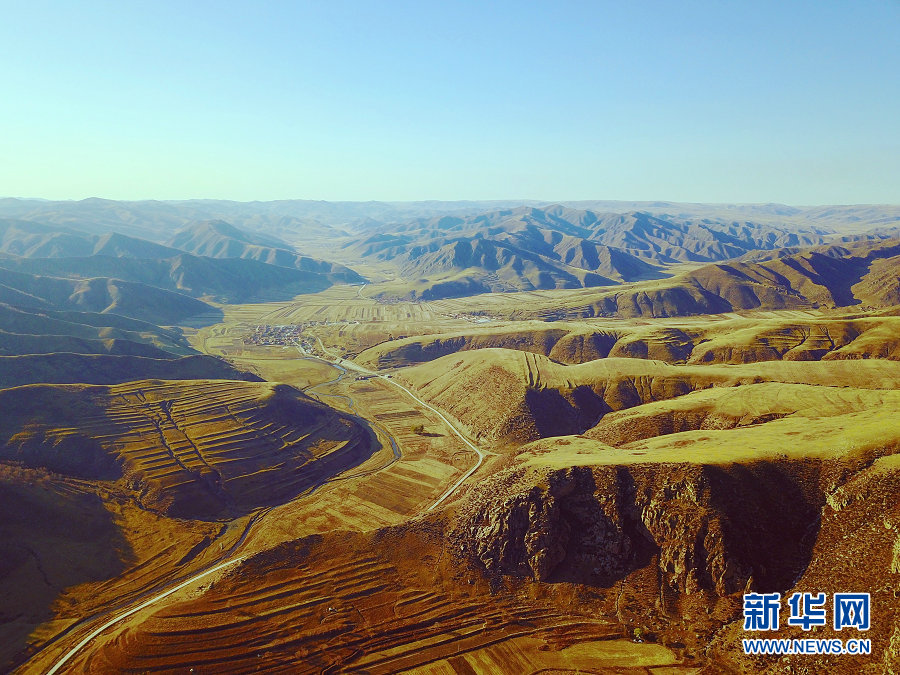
(391, 613)
(382, 603)
(197, 448)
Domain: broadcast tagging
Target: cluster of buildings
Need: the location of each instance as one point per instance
(472, 318)
(275, 335)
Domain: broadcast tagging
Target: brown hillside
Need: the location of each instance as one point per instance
(68, 368)
(542, 568)
(198, 449)
(504, 396)
(723, 340)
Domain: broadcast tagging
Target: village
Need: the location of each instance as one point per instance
(279, 335)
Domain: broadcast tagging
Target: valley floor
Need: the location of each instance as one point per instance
(673, 433)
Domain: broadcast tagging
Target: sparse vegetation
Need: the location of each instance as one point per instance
(646, 399)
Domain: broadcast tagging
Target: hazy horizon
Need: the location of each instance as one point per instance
(490, 200)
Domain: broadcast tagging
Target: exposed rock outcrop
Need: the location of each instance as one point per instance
(708, 528)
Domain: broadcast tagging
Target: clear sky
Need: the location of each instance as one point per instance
(795, 102)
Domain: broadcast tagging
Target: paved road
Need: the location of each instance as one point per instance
(352, 406)
(156, 598)
(353, 366)
(341, 363)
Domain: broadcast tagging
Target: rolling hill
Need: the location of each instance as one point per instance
(528, 248)
(861, 274)
(223, 280)
(34, 240)
(108, 489)
(208, 271)
(586, 567)
(507, 397)
(686, 403)
(218, 239)
(40, 326)
(195, 449)
(111, 368)
(12, 344)
(99, 294)
(724, 340)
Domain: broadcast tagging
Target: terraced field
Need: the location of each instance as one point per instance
(147, 463)
(724, 339)
(400, 606)
(327, 491)
(201, 449)
(409, 472)
(504, 396)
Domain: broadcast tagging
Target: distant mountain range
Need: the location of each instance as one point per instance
(40, 344)
(529, 248)
(225, 280)
(97, 294)
(158, 220)
(864, 274)
(36, 240)
(218, 239)
(30, 330)
(231, 265)
(80, 306)
(239, 252)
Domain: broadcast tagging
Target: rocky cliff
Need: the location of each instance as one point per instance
(669, 549)
(708, 528)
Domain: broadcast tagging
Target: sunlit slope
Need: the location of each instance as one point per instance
(859, 274)
(530, 248)
(506, 396)
(774, 422)
(714, 340)
(540, 568)
(202, 449)
(744, 406)
(380, 603)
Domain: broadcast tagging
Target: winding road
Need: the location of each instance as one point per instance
(352, 407)
(342, 365)
(180, 584)
(353, 366)
(116, 619)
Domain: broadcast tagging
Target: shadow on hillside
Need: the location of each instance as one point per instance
(759, 521)
(51, 538)
(555, 415)
(209, 318)
(837, 275)
(773, 522)
(601, 550)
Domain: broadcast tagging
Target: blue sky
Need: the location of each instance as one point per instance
(793, 102)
